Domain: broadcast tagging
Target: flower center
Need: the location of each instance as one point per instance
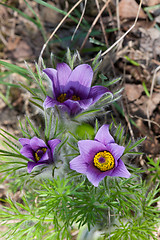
(39, 153)
(63, 97)
(75, 98)
(104, 161)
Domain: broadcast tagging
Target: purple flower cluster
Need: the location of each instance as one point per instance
(73, 93)
(36, 150)
(100, 158)
(72, 90)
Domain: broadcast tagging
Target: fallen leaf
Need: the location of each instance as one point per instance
(49, 15)
(151, 2)
(149, 42)
(150, 145)
(133, 91)
(129, 8)
(22, 51)
(13, 42)
(152, 103)
(156, 127)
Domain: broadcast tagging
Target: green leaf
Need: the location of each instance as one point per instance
(22, 14)
(36, 104)
(33, 128)
(145, 89)
(28, 89)
(87, 112)
(132, 61)
(21, 71)
(128, 148)
(85, 130)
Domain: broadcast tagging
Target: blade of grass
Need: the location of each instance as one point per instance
(55, 9)
(41, 28)
(22, 14)
(16, 69)
(5, 99)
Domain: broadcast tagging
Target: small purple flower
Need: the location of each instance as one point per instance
(100, 158)
(72, 90)
(36, 150)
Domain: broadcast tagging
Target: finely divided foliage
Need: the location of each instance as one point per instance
(74, 172)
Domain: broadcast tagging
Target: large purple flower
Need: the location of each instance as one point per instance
(36, 150)
(100, 158)
(72, 90)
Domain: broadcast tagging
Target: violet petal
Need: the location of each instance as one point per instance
(97, 92)
(37, 143)
(84, 104)
(121, 170)
(52, 74)
(52, 144)
(49, 102)
(30, 166)
(89, 148)
(80, 80)
(103, 135)
(73, 106)
(115, 150)
(63, 73)
(78, 164)
(24, 141)
(45, 156)
(27, 152)
(94, 175)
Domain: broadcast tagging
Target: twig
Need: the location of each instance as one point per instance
(3, 39)
(93, 24)
(102, 25)
(151, 92)
(145, 120)
(58, 26)
(126, 114)
(80, 20)
(109, 49)
(117, 13)
(153, 80)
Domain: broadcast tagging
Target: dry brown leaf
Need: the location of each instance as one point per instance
(150, 145)
(137, 72)
(148, 105)
(156, 127)
(133, 91)
(3, 12)
(153, 102)
(13, 42)
(140, 24)
(22, 51)
(151, 2)
(129, 8)
(48, 15)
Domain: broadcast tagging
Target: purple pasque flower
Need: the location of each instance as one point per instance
(100, 158)
(36, 150)
(72, 90)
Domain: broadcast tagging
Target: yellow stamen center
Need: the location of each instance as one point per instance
(75, 98)
(39, 153)
(62, 98)
(104, 161)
